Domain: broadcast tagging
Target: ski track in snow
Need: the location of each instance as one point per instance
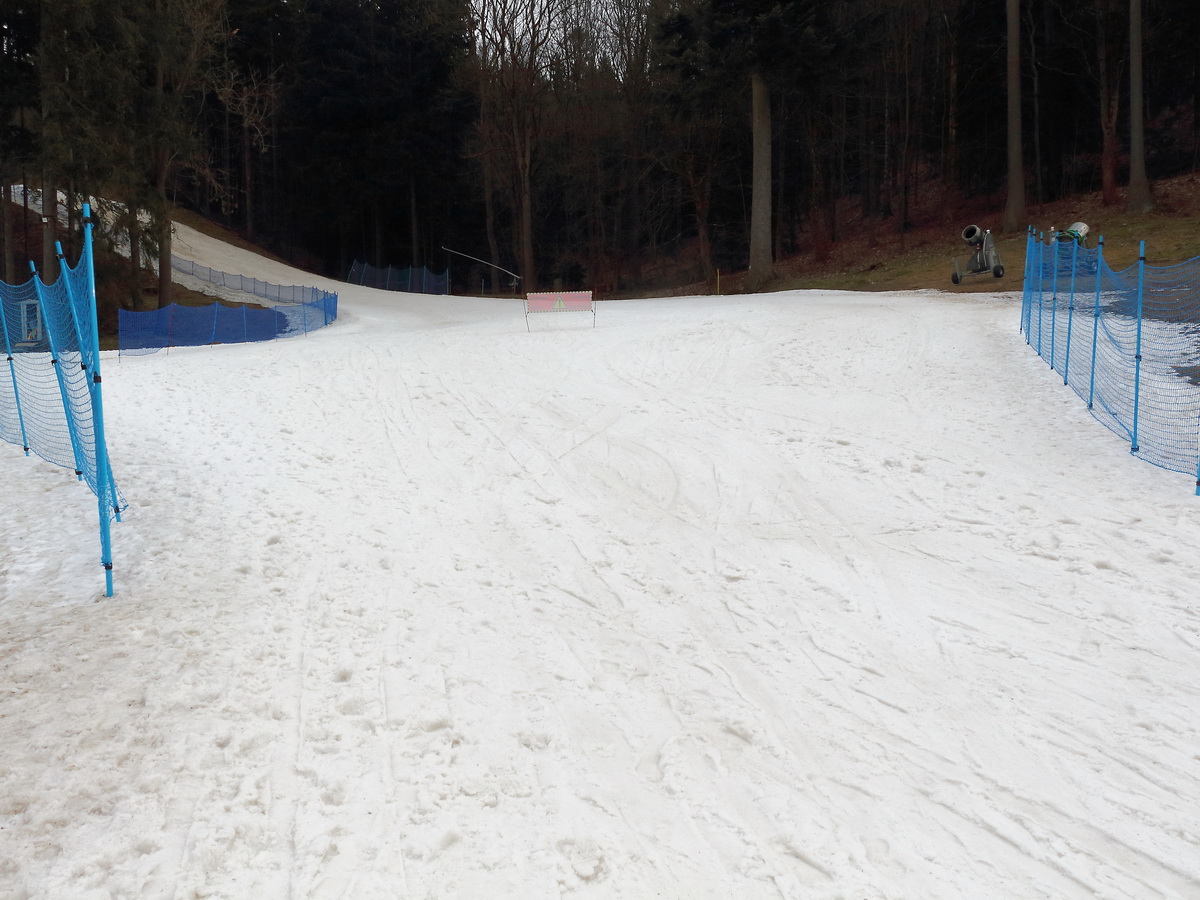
(798, 595)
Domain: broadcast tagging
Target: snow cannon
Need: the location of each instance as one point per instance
(984, 259)
(1077, 233)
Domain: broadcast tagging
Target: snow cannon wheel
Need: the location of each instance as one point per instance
(998, 270)
(955, 278)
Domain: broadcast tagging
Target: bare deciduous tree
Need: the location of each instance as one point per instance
(254, 98)
(1139, 199)
(1014, 207)
(517, 44)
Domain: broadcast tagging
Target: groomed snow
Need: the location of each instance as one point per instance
(803, 595)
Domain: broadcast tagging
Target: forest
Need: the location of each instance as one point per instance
(606, 144)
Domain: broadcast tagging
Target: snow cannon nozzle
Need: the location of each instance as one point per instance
(972, 235)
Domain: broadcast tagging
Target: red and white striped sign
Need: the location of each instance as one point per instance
(562, 301)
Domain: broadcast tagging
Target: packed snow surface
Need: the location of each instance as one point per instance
(803, 595)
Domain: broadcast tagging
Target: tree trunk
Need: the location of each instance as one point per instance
(1036, 85)
(50, 73)
(164, 262)
(162, 172)
(248, 181)
(950, 159)
(777, 248)
(822, 238)
(870, 175)
(1139, 198)
(49, 230)
(25, 214)
(135, 259)
(486, 163)
(700, 187)
(489, 221)
(163, 169)
(378, 238)
(1014, 208)
(761, 264)
(523, 143)
(8, 259)
(1110, 107)
(412, 218)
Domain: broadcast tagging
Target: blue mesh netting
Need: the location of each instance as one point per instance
(1128, 343)
(282, 293)
(141, 333)
(46, 400)
(413, 280)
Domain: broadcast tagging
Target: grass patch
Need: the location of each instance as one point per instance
(876, 256)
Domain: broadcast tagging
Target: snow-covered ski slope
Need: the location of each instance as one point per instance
(802, 595)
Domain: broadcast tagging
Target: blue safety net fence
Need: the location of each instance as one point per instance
(46, 394)
(413, 280)
(50, 397)
(1127, 342)
(281, 293)
(141, 333)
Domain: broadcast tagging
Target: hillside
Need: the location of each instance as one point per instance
(868, 255)
(875, 256)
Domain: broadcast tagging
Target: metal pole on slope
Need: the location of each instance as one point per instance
(1054, 308)
(1070, 313)
(1040, 292)
(1096, 320)
(1025, 285)
(485, 262)
(1137, 358)
(107, 492)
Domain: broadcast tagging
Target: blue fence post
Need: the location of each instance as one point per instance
(1025, 286)
(1198, 474)
(12, 374)
(74, 304)
(1096, 319)
(1070, 313)
(1137, 367)
(1041, 291)
(105, 485)
(1054, 309)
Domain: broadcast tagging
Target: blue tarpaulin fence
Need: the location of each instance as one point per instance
(50, 396)
(1127, 342)
(413, 280)
(140, 333)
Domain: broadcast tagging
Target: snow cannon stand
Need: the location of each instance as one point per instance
(985, 258)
